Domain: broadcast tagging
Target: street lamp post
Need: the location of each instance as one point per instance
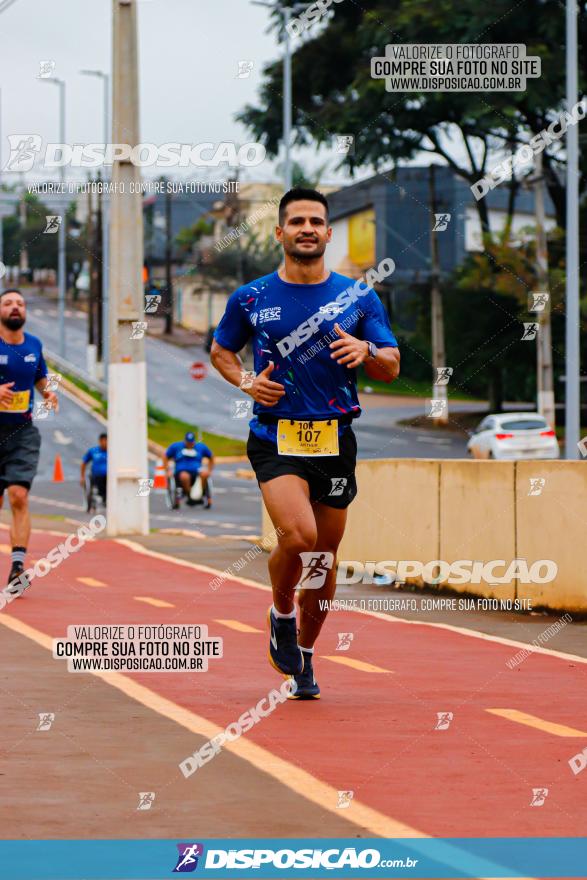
(1, 215)
(61, 264)
(105, 225)
(572, 390)
(286, 13)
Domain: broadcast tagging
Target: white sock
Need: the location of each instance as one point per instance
(307, 650)
(281, 616)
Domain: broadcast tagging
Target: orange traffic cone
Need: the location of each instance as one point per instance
(58, 470)
(160, 481)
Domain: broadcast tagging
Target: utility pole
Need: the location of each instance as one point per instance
(61, 262)
(168, 272)
(100, 271)
(286, 13)
(545, 386)
(103, 335)
(91, 273)
(1, 206)
(23, 260)
(573, 315)
(128, 499)
(438, 352)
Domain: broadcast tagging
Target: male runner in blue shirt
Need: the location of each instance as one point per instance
(22, 369)
(311, 329)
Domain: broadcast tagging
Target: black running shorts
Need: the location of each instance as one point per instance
(20, 446)
(331, 478)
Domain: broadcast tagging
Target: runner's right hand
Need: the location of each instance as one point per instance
(263, 390)
(6, 394)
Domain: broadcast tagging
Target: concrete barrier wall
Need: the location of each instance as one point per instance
(477, 518)
(553, 525)
(418, 509)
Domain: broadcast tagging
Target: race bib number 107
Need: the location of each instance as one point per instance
(307, 438)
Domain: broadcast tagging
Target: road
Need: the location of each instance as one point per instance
(210, 402)
(236, 508)
(375, 732)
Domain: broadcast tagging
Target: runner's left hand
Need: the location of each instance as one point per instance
(348, 349)
(53, 399)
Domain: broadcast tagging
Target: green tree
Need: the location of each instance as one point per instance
(333, 90)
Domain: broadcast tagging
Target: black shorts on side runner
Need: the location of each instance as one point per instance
(331, 478)
(20, 446)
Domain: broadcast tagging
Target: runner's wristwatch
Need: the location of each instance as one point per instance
(372, 348)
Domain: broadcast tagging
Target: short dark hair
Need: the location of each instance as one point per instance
(103, 436)
(298, 194)
(11, 290)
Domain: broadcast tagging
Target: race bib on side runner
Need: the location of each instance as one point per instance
(19, 404)
(307, 438)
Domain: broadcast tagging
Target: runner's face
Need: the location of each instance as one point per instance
(305, 232)
(12, 311)
(103, 443)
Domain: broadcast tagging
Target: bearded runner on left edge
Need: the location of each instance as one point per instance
(22, 369)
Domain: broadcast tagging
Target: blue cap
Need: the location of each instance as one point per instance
(190, 436)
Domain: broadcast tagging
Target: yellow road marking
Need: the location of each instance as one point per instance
(6, 549)
(538, 723)
(356, 664)
(292, 776)
(158, 603)
(238, 626)
(91, 582)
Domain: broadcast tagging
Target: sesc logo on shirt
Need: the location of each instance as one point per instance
(271, 314)
(30, 358)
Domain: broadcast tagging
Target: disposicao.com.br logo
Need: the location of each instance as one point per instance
(326, 859)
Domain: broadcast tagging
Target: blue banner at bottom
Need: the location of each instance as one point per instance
(285, 858)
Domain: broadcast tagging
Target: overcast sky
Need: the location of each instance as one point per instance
(188, 53)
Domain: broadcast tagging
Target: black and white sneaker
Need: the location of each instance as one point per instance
(16, 583)
(306, 685)
(284, 653)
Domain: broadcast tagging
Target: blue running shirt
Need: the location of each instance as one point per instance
(188, 458)
(24, 365)
(293, 326)
(99, 459)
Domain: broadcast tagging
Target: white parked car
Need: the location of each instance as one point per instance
(513, 435)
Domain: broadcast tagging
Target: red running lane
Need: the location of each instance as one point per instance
(371, 733)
